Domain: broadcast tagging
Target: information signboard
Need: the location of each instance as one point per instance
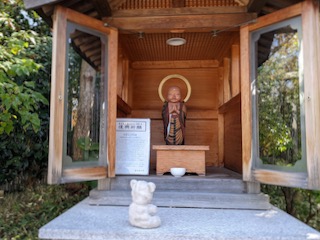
(133, 146)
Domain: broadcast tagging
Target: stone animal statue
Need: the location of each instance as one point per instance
(174, 113)
(142, 213)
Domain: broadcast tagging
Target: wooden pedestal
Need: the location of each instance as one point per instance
(187, 156)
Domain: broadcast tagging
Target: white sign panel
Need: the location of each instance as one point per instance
(133, 146)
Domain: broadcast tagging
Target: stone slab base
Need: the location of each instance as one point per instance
(111, 222)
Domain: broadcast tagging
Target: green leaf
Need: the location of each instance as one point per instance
(15, 50)
(41, 98)
(16, 103)
(8, 128)
(29, 84)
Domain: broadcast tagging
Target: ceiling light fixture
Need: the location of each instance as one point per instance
(176, 41)
(214, 33)
(141, 35)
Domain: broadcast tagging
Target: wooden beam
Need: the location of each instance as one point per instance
(214, 21)
(256, 5)
(226, 80)
(83, 174)
(192, 114)
(291, 179)
(178, 11)
(175, 64)
(221, 138)
(269, 19)
(311, 54)
(246, 109)
(242, 2)
(114, 4)
(33, 4)
(112, 60)
(229, 104)
(123, 106)
(178, 3)
(235, 70)
(220, 87)
(58, 71)
(103, 8)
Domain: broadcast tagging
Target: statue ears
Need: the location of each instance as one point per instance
(151, 185)
(133, 182)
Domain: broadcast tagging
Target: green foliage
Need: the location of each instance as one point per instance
(300, 203)
(280, 125)
(89, 148)
(19, 102)
(25, 53)
(22, 214)
(279, 103)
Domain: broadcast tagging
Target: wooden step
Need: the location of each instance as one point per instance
(194, 199)
(185, 183)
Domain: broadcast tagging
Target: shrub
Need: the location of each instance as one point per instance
(22, 214)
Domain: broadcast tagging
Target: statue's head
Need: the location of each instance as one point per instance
(174, 94)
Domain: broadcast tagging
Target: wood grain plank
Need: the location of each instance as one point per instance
(33, 4)
(220, 87)
(86, 21)
(235, 70)
(228, 105)
(226, 79)
(192, 114)
(214, 21)
(204, 83)
(57, 96)
(246, 109)
(221, 137)
(179, 11)
(200, 132)
(311, 43)
(233, 137)
(84, 174)
(290, 179)
(112, 99)
(175, 64)
(278, 16)
(181, 147)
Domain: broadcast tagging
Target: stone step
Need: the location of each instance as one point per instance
(85, 221)
(193, 199)
(185, 183)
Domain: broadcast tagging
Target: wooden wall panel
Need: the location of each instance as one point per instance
(233, 136)
(235, 70)
(204, 132)
(198, 132)
(201, 127)
(204, 83)
(123, 75)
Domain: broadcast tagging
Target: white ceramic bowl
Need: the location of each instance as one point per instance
(177, 172)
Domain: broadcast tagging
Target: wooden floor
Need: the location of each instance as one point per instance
(211, 173)
(220, 188)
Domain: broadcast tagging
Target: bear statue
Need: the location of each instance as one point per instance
(142, 213)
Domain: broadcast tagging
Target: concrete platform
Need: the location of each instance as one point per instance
(85, 221)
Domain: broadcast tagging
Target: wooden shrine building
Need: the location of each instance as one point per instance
(251, 68)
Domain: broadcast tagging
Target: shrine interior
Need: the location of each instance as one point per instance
(203, 60)
(209, 60)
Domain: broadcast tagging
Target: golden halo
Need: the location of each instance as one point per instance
(174, 76)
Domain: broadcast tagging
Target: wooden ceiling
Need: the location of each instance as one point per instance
(199, 46)
(145, 25)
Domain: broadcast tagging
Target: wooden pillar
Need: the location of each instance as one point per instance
(221, 117)
(226, 80)
(235, 70)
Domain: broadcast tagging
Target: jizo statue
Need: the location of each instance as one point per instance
(174, 114)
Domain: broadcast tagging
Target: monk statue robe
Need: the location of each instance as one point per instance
(174, 114)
